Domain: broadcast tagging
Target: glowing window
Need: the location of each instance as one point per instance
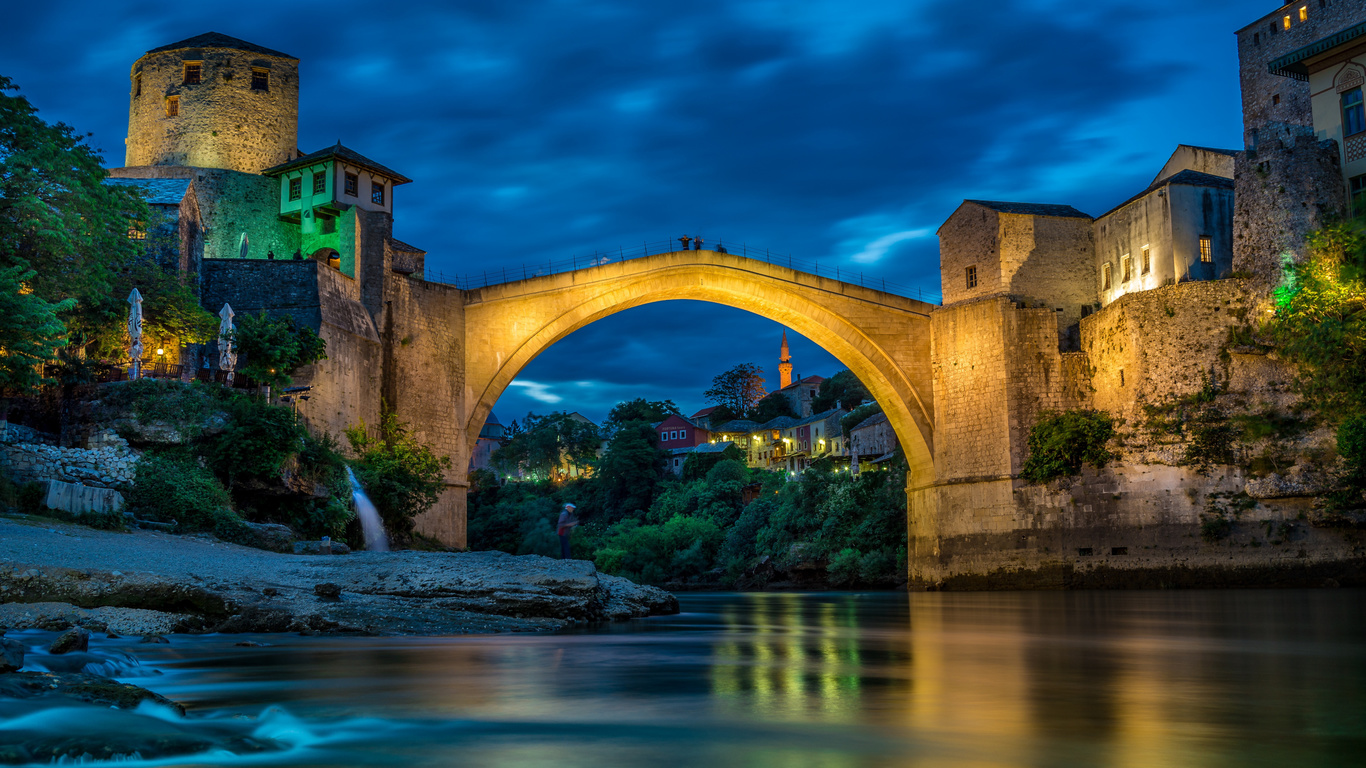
(1126, 269)
(137, 230)
(260, 79)
(377, 192)
(172, 106)
(1275, 99)
(972, 277)
(1353, 116)
(1206, 254)
(1286, 22)
(1105, 277)
(1147, 260)
(319, 183)
(194, 72)
(352, 184)
(296, 188)
(1304, 13)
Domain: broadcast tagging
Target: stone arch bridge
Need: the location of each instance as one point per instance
(448, 354)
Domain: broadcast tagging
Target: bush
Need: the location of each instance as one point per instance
(844, 566)
(171, 487)
(259, 439)
(401, 475)
(1060, 443)
(273, 347)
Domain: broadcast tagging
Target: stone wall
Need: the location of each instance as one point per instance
(1049, 261)
(1282, 192)
(423, 334)
(970, 389)
(1154, 345)
(107, 462)
(969, 239)
(1275, 107)
(222, 122)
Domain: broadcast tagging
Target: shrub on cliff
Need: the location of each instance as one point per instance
(1060, 443)
(274, 347)
(172, 487)
(401, 475)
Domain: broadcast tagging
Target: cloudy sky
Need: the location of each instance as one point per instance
(843, 132)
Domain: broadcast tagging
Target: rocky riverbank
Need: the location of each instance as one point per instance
(54, 576)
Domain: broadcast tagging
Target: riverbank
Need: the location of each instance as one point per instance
(54, 575)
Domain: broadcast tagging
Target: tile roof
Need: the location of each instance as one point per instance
(1032, 209)
(737, 425)
(403, 247)
(779, 422)
(806, 380)
(156, 191)
(344, 154)
(871, 421)
(704, 412)
(220, 40)
(714, 447)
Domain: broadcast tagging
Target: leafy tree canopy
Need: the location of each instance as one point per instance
(273, 347)
(640, 409)
(843, 390)
(771, 407)
(629, 470)
(402, 475)
(738, 389)
(1060, 443)
(544, 444)
(30, 331)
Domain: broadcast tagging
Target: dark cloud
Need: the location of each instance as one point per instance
(831, 131)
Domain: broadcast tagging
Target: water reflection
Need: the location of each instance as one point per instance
(1023, 679)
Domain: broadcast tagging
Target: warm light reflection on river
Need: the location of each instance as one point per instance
(1009, 679)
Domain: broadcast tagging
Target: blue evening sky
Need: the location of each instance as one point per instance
(840, 132)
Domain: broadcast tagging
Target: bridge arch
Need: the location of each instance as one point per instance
(881, 337)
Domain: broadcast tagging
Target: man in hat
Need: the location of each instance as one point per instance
(565, 527)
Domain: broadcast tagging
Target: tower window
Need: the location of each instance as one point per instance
(260, 79)
(1286, 22)
(971, 273)
(296, 188)
(1256, 38)
(377, 192)
(1357, 187)
(137, 85)
(319, 183)
(1147, 260)
(1353, 116)
(1105, 276)
(1304, 13)
(1206, 253)
(351, 185)
(172, 106)
(194, 71)
(1126, 269)
(1275, 99)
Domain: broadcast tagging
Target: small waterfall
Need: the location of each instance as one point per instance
(376, 540)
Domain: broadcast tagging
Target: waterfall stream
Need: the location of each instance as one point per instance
(376, 539)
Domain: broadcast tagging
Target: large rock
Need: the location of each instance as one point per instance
(74, 639)
(11, 655)
(81, 499)
(269, 536)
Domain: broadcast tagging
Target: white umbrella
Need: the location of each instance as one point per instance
(135, 333)
(227, 359)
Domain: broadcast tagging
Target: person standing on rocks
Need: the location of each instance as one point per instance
(565, 527)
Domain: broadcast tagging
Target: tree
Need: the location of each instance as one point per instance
(738, 389)
(544, 444)
(30, 331)
(773, 406)
(629, 471)
(843, 390)
(402, 476)
(273, 347)
(640, 409)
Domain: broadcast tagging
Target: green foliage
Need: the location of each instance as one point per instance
(400, 474)
(628, 471)
(771, 407)
(1320, 320)
(857, 417)
(699, 465)
(257, 442)
(170, 311)
(680, 548)
(173, 487)
(640, 409)
(843, 390)
(1060, 443)
(30, 330)
(546, 446)
(274, 347)
(738, 389)
(1212, 441)
(1221, 510)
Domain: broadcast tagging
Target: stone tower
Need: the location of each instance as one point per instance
(784, 364)
(213, 101)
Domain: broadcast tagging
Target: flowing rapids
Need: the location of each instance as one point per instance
(1248, 678)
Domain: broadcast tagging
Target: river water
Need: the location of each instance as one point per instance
(1236, 678)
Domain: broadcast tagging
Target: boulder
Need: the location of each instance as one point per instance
(154, 639)
(11, 655)
(269, 536)
(327, 591)
(81, 499)
(74, 639)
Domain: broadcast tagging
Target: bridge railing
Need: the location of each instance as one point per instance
(500, 275)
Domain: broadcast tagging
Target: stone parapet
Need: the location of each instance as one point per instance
(109, 463)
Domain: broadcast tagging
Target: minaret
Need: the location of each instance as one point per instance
(784, 364)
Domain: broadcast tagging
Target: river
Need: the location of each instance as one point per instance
(1231, 678)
